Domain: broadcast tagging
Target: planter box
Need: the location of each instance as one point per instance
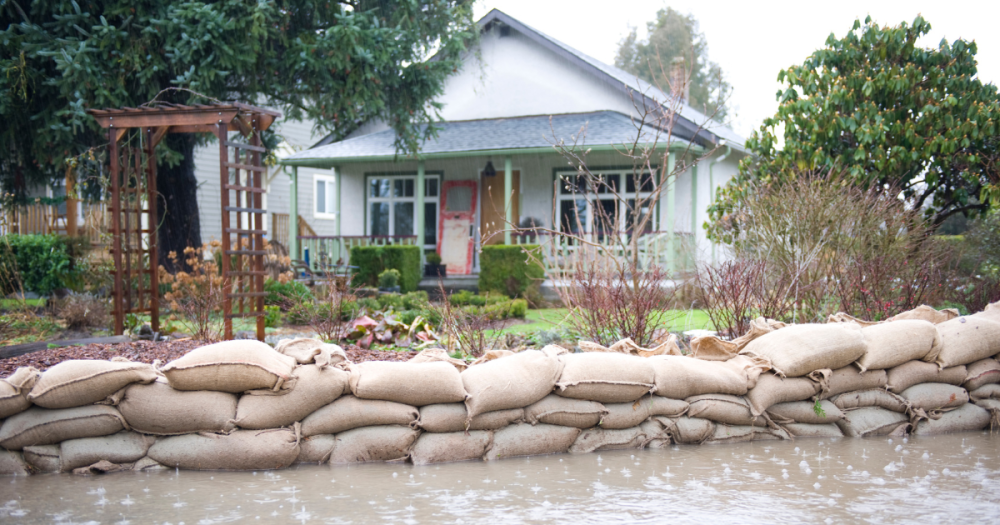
(435, 270)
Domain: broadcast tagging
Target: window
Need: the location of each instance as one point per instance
(392, 206)
(588, 205)
(325, 196)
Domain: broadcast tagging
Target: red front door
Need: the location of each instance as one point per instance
(458, 213)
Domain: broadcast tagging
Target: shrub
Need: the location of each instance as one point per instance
(509, 270)
(388, 279)
(387, 300)
(285, 294)
(371, 303)
(467, 298)
(82, 310)
(272, 316)
(196, 295)
(433, 258)
(735, 292)
(38, 263)
(300, 314)
(373, 260)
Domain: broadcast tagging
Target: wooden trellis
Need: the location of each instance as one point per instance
(134, 201)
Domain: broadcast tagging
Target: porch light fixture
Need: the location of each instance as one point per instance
(489, 170)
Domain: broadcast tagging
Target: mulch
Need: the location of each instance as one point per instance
(148, 351)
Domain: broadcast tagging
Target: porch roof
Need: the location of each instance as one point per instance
(530, 134)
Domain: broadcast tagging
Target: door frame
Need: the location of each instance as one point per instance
(443, 207)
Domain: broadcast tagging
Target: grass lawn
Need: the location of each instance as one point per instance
(16, 303)
(550, 318)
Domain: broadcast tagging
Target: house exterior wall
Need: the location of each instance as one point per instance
(299, 135)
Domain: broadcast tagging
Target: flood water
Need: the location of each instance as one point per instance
(953, 478)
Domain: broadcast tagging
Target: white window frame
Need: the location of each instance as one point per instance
(436, 200)
(593, 198)
(331, 193)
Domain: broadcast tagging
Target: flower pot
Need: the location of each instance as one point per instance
(435, 270)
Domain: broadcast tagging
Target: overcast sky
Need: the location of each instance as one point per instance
(752, 41)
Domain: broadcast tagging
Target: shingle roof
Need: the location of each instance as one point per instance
(518, 133)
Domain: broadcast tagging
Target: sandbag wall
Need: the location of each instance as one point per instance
(241, 405)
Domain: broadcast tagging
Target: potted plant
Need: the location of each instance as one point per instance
(434, 268)
(388, 281)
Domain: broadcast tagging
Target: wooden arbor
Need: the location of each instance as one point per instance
(133, 134)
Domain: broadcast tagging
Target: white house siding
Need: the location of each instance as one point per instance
(300, 136)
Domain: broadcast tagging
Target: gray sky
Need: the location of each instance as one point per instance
(752, 41)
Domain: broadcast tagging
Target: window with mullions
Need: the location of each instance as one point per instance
(589, 205)
(392, 202)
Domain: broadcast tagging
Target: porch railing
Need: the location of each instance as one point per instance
(322, 252)
(561, 254)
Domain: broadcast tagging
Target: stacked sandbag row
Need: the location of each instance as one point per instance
(242, 405)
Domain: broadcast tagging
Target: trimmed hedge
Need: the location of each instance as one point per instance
(44, 262)
(506, 269)
(373, 260)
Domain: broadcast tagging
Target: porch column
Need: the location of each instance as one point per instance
(419, 222)
(508, 191)
(671, 198)
(293, 215)
(694, 210)
(336, 202)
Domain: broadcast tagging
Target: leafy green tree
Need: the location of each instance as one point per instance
(889, 114)
(340, 63)
(673, 35)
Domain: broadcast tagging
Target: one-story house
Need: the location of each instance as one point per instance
(493, 159)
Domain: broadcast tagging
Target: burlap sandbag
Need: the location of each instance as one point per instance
(231, 366)
(993, 405)
(374, 444)
(315, 387)
(628, 415)
(772, 389)
(982, 372)
(798, 350)
(892, 344)
(605, 377)
(148, 464)
(927, 313)
(873, 421)
(123, 447)
(452, 417)
(42, 458)
(452, 446)
(711, 348)
(43, 426)
(511, 382)
(316, 449)
(432, 355)
(849, 379)
(415, 384)
(492, 355)
(239, 450)
(935, 396)
(14, 391)
(875, 397)
(680, 377)
(158, 409)
(722, 408)
(966, 418)
(758, 327)
(725, 434)
(312, 351)
(966, 340)
(687, 430)
(555, 410)
(908, 374)
(531, 440)
(657, 436)
(843, 317)
(990, 391)
(13, 464)
(806, 430)
(349, 412)
(991, 312)
(594, 439)
(805, 412)
(76, 383)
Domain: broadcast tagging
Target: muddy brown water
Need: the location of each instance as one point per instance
(953, 478)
